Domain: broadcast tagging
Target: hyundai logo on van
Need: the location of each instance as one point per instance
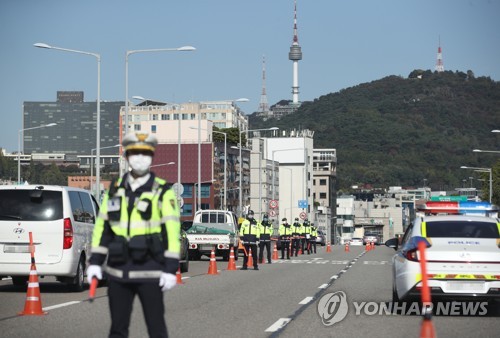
(18, 231)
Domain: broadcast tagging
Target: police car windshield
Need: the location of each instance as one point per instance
(462, 229)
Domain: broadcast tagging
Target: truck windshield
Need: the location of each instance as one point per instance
(211, 228)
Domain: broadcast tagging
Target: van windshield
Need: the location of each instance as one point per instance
(22, 205)
(462, 229)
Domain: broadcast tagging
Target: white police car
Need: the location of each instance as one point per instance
(463, 259)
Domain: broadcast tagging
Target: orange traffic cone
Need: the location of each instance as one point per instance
(367, 247)
(275, 252)
(250, 259)
(33, 304)
(179, 276)
(372, 246)
(212, 267)
(346, 247)
(328, 247)
(231, 265)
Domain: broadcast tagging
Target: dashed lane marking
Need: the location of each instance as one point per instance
(48, 308)
(306, 300)
(279, 324)
(323, 286)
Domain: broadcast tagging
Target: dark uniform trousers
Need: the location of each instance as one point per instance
(285, 245)
(249, 246)
(121, 298)
(265, 242)
(312, 243)
(306, 242)
(295, 245)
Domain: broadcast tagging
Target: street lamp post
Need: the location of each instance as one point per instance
(225, 164)
(19, 147)
(273, 152)
(96, 194)
(241, 163)
(485, 151)
(291, 193)
(162, 164)
(98, 117)
(486, 170)
(130, 52)
(260, 181)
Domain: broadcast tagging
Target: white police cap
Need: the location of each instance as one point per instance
(139, 141)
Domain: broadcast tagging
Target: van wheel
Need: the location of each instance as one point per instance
(76, 285)
(19, 281)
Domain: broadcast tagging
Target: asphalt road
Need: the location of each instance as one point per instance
(279, 300)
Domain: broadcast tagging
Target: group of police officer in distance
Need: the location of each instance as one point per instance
(295, 238)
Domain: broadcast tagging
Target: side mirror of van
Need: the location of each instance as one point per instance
(392, 243)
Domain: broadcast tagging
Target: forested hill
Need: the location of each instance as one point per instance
(398, 131)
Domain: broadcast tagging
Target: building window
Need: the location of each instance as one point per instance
(153, 129)
(187, 209)
(322, 182)
(185, 116)
(154, 117)
(188, 191)
(322, 195)
(137, 127)
(165, 117)
(176, 116)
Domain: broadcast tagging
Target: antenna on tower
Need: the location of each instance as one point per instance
(263, 105)
(439, 62)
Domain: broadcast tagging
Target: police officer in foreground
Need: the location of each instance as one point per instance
(249, 232)
(285, 231)
(137, 230)
(266, 230)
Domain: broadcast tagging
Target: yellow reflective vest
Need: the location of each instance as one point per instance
(145, 223)
(250, 231)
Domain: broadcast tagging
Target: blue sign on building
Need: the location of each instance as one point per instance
(303, 204)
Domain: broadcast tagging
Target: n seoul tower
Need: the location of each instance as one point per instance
(295, 55)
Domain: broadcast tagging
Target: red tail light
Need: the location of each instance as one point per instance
(68, 234)
(412, 255)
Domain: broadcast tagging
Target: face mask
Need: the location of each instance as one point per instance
(140, 163)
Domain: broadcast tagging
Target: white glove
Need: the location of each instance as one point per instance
(167, 281)
(93, 271)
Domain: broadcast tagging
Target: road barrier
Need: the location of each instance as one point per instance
(427, 328)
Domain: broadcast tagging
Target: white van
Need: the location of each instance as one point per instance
(61, 220)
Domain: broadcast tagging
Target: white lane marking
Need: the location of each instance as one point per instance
(60, 305)
(185, 277)
(305, 300)
(323, 286)
(278, 324)
(334, 277)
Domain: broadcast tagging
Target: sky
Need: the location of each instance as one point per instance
(344, 43)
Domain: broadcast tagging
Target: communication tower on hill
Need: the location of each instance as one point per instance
(263, 105)
(439, 62)
(295, 55)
